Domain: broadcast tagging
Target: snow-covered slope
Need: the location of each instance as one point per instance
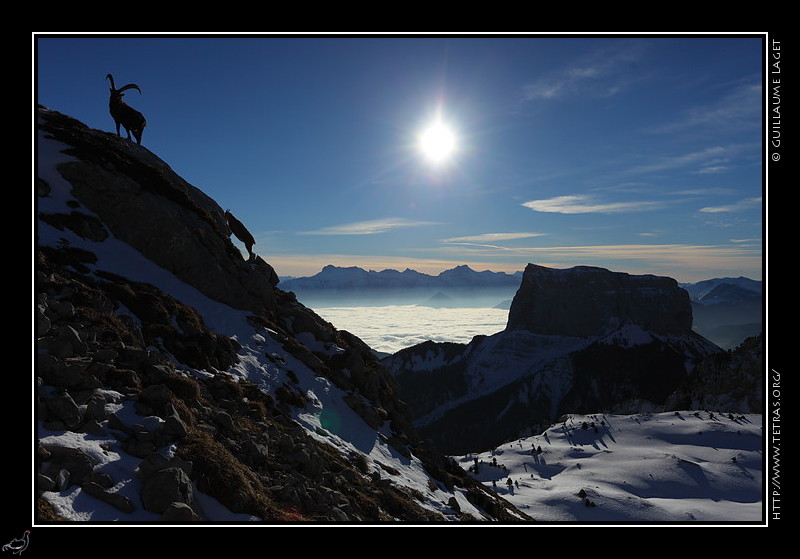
(263, 361)
(674, 467)
(522, 379)
(332, 454)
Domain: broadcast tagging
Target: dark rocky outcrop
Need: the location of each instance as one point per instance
(125, 191)
(732, 381)
(588, 301)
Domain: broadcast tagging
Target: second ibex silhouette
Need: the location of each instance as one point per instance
(241, 233)
(123, 114)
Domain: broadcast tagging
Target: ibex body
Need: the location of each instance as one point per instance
(123, 114)
(241, 232)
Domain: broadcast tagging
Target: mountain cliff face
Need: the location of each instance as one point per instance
(158, 345)
(587, 301)
(576, 340)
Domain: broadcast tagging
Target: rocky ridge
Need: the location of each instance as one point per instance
(107, 343)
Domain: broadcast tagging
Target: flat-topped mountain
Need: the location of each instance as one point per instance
(577, 339)
(589, 301)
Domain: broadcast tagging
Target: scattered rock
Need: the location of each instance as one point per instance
(179, 512)
(164, 487)
(116, 500)
(63, 408)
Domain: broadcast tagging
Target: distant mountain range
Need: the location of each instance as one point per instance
(713, 290)
(353, 277)
(727, 310)
(459, 286)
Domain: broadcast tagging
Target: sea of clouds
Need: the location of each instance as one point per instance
(391, 328)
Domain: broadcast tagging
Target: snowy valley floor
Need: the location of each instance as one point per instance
(673, 467)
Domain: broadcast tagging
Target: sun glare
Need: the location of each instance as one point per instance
(437, 143)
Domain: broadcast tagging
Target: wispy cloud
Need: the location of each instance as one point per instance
(712, 169)
(683, 261)
(371, 227)
(601, 73)
(711, 155)
(741, 205)
(738, 108)
(714, 191)
(491, 237)
(580, 204)
(754, 240)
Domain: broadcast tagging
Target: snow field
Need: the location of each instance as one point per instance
(663, 467)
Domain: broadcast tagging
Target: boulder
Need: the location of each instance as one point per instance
(120, 502)
(70, 465)
(155, 462)
(179, 512)
(164, 487)
(63, 408)
(42, 322)
(174, 427)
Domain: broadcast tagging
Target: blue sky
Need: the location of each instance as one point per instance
(640, 154)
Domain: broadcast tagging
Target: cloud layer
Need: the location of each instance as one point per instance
(392, 328)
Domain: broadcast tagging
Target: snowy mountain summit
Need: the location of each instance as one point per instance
(178, 383)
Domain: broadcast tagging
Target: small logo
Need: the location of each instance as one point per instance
(18, 545)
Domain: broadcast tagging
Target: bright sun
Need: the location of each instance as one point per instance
(437, 142)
